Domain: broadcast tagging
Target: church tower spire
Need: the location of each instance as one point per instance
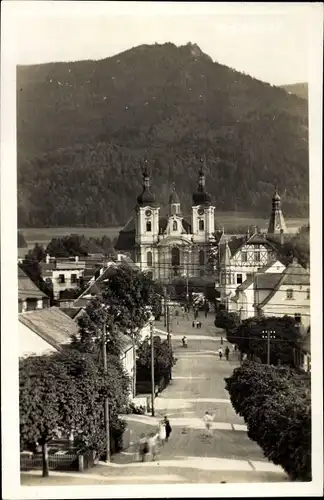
(277, 222)
(146, 197)
(174, 202)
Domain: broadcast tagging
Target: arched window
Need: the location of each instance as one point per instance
(201, 225)
(149, 259)
(175, 256)
(175, 225)
(149, 226)
(201, 257)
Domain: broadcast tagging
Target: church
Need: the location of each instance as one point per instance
(173, 246)
(177, 247)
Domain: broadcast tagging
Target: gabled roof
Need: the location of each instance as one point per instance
(267, 281)
(27, 288)
(94, 288)
(51, 324)
(293, 275)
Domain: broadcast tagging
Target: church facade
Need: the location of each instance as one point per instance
(177, 247)
(173, 246)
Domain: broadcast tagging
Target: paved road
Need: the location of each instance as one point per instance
(189, 457)
(198, 386)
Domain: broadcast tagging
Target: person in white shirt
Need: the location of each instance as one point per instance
(152, 445)
(220, 353)
(208, 422)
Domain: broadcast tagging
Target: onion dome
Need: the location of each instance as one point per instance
(201, 197)
(146, 197)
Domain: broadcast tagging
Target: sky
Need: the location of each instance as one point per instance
(267, 41)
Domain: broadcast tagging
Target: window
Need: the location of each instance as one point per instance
(74, 278)
(175, 225)
(298, 318)
(308, 294)
(201, 257)
(201, 225)
(175, 256)
(61, 278)
(150, 275)
(257, 256)
(239, 279)
(202, 272)
(149, 259)
(244, 257)
(290, 294)
(149, 226)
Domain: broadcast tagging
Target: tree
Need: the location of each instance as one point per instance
(163, 360)
(65, 392)
(248, 337)
(66, 246)
(98, 315)
(129, 293)
(276, 401)
(30, 265)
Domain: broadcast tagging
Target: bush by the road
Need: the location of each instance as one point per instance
(275, 403)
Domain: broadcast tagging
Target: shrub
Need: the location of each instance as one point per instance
(275, 404)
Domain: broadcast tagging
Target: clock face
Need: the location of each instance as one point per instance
(200, 211)
(148, 213)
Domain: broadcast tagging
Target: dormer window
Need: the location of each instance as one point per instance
(175, 225)
(201, 225)
(148, 226)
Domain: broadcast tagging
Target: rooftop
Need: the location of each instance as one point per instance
(51, 324)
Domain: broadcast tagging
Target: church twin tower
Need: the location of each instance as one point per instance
(174, 246)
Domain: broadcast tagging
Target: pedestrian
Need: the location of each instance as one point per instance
(200, 324)
(220, 353)
(193, 324)
(168, 428)
(143, 447)
(227, 351)
(152, 445)
(197, 324)
(184, 341)
(162, 432)
(208, 421)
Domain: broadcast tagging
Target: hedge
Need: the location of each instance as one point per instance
(275, 403)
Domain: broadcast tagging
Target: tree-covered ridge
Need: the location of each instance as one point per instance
(85, 127)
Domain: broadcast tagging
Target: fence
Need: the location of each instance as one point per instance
(55, 462)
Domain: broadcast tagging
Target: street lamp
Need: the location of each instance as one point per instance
(268, 335)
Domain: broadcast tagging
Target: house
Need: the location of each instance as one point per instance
(63, 274)
(30, 297)
(240, 259)
(243, 301)
(128, 358)
(286, 293)
(44, 331)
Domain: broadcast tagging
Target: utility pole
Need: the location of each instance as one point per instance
(104, 354)
(134, 362)
(169, 334)
(268, 335)
(152, 366)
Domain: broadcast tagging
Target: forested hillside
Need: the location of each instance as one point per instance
(84, 128)
(299, 89)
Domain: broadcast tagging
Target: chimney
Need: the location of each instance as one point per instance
(281, 237)
(76, 258)
(48, 258)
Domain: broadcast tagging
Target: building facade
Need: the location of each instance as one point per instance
(63, 274)
(173, 246)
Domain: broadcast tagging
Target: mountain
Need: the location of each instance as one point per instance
(299, 89)
(85, 128)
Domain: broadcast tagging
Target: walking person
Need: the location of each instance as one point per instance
(208, 422)
(168, 428)
(143, 447)
(193, 324)
(227, 351)
(162, 432)
(184, 342)
(220, 353)
(152, 445)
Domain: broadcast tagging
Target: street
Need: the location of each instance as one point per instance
(197, 386)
